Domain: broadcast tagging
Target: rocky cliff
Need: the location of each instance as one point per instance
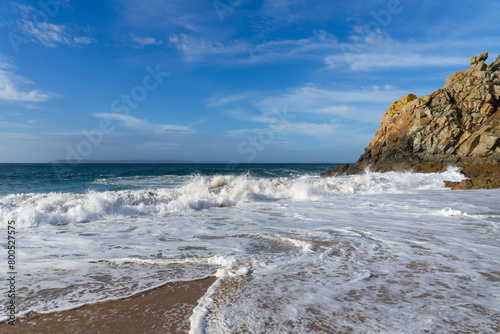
(458, 124)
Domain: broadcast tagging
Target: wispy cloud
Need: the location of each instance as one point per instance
(14, 125)
(260, 34)
(12, 86)
(143, 41)
(242, 132)
(46, 33)
(313, 99)
(317, 130)
(313, 111)
(363, 104)
(276, 14)
(379, 51)
(322, 130)
(157, 146)
(50, 34)
(196, 49)
(372, 60)
(220, 100)
(11, 114)
(284, 121)
(311, 48)
(161, 15)
(144, 125)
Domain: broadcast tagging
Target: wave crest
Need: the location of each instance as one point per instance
(204, 192)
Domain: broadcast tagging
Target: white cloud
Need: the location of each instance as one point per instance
(155, 146)
(317, 130)
(46, 33)
(194, 27)
(217, 101)
(276, 14)
(324, 130)
(83, 40)
(364, 104)
(142, 124)
(322, 113)
(11, 114)
(50, 34)
(371, 61)
(310, 98)
(128, 121)
(141, 42)
(11, 90)
(378, 51)
(242, 132)
(14, 125)
(281, 121)
(196, 49)
(305, 48)
(165, 15)
(164, 128)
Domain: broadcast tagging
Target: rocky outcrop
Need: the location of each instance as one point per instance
(481, 176)
(458, 124)
(344, 169)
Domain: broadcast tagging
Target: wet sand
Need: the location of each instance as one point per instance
(162, 310)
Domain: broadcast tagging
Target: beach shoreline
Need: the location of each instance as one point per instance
(165, 309)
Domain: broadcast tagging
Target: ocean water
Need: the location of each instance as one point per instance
(371, 253)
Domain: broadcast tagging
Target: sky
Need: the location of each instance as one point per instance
(224, 80)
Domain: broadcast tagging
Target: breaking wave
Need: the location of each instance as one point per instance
(204, 192)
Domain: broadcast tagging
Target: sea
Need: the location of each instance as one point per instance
(369, 253)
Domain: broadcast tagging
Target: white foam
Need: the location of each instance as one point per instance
(200, 312)
(200, 193)
(304, 245)
(397, 250)
(197, 320)
(450, 212)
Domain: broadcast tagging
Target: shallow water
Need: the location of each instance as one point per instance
(393, 252)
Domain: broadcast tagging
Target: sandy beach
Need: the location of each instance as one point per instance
(165, 309)
(366, 253)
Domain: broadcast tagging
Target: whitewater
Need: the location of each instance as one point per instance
(376, 252)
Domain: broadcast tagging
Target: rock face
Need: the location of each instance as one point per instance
(458, 124)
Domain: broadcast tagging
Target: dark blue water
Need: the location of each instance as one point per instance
(80, 178)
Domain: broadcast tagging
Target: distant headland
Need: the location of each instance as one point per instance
(131, 162)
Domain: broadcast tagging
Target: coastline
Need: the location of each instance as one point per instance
(366, 253)
(479, 176)
(458, 124)
(164, 309)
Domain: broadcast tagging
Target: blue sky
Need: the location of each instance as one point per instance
(242, 80)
